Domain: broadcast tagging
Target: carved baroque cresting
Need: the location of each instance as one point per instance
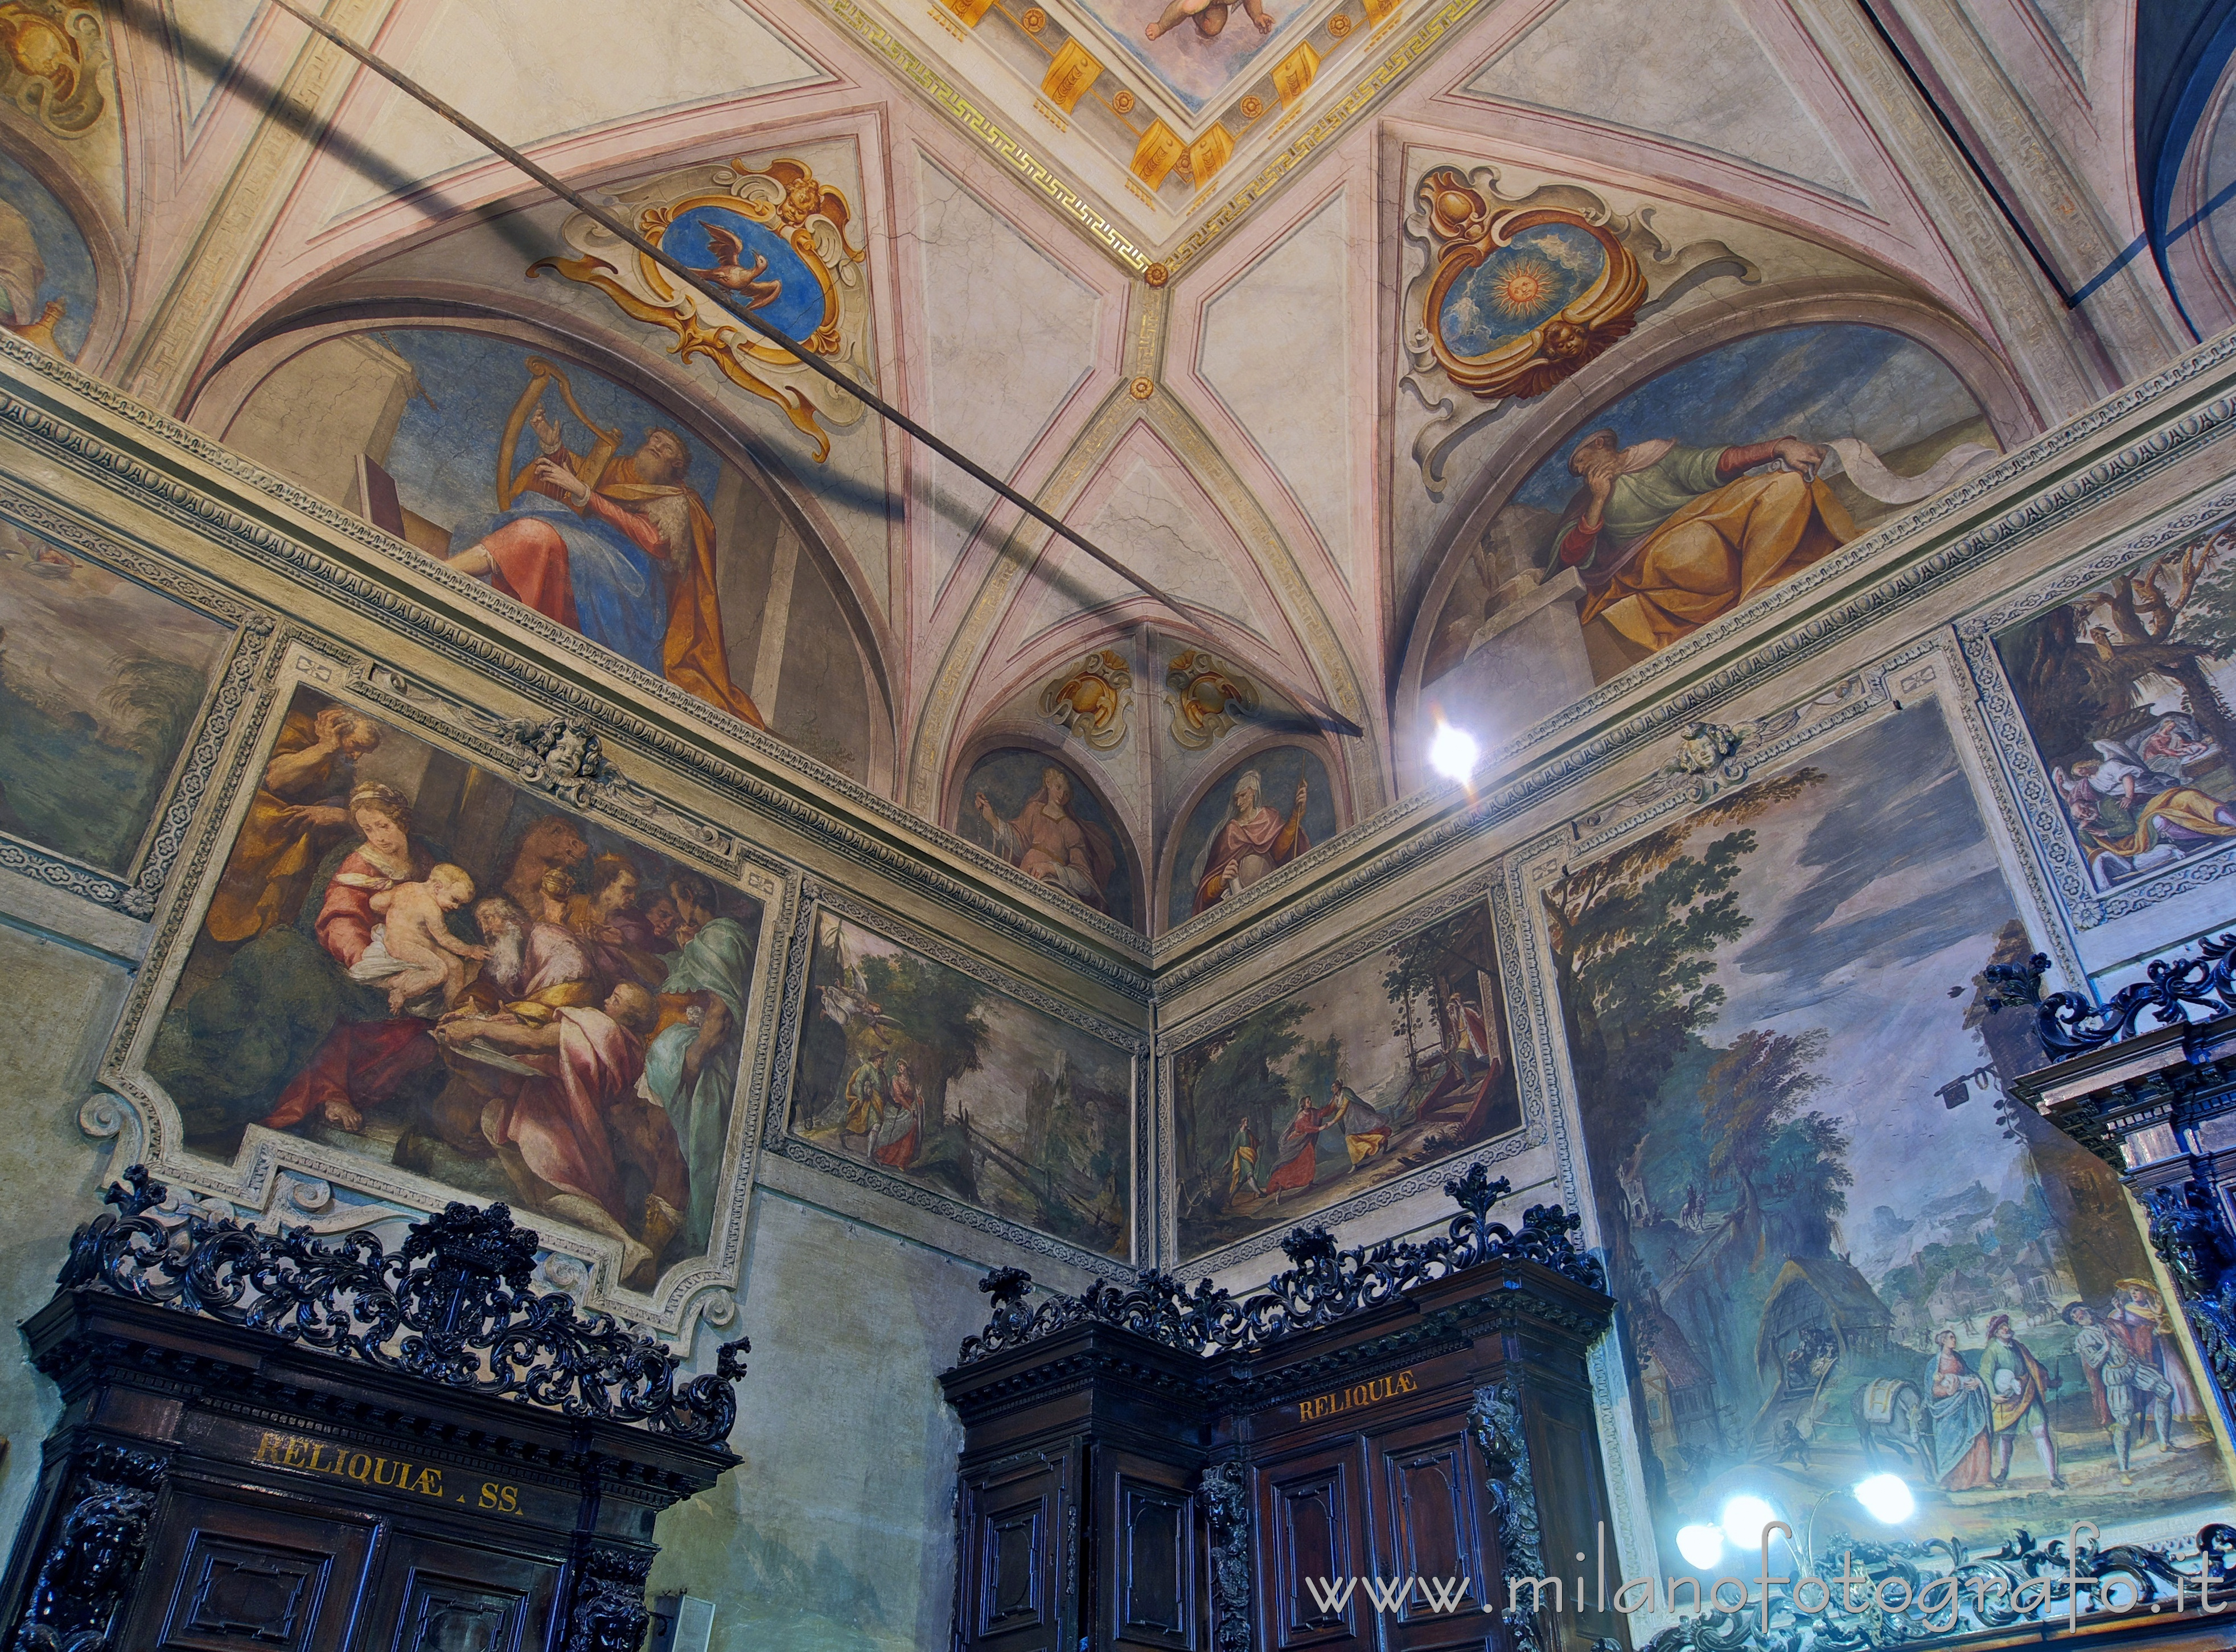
(1157, 1466)
(312, 1442)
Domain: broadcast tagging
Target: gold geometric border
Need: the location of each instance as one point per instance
(1402, 58)
(895, 51)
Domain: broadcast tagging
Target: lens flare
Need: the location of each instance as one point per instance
(1887, 1498)
(1744, 1518)
(1702, 1546)
(1453, 752)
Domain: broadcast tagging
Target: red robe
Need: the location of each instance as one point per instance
(1265, 834)
(1300, 1150)
(361, 1062)
(531, 562)
(559, 1122)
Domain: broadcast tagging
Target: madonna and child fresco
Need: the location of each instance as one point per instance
(1838, 1244)
(2126, 690)
(1391, 1064)
(410, 960)
(1705, 486)
(933, 1077)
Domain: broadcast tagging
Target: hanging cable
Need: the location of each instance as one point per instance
(793, 347)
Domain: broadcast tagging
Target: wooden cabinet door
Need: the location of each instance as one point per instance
(1017, 1535)
(1312, 1529)
(442, 1597)
(1151, 1551)
(1427, 1526)
(246, 1574)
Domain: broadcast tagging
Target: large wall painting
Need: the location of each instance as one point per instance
(1668, 509)
(2126, 690)
(583, 501)
(101, 681)
(47, 280)
(1261, 814)
(1837, 1246)
(410, 960)
(1386, 1066)
(913, 1068)
(1037, 814)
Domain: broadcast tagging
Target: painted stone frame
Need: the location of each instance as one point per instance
(1751, 814)
(867, 1086)
(2045, 782)
(40, 543)
(1472, 1103)
(522, 774)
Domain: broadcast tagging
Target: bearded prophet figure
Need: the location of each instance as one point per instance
(1252, 843)
(633, 568)
(1668, 539)
(1048, 842)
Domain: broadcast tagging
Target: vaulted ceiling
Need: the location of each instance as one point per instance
(1295, 309)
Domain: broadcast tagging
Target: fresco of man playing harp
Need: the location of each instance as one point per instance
(620, 547)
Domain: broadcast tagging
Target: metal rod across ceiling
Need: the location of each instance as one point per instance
(793, 347)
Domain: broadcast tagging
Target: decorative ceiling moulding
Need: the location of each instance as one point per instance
(557, 769)
(782, 783)
(2142, 435)
(1133, 189)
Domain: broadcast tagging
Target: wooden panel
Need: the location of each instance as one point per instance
(1309, 1523)
(1428, 1525)
(234, 1577)
(1013, 1533)
(1155, 1565)
(437, 1596)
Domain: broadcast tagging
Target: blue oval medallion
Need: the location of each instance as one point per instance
(1521, 285)
(798, 309)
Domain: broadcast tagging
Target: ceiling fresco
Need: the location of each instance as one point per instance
(1305, 310)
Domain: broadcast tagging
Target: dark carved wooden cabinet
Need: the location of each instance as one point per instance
(1156, 1469)
(280, 1444)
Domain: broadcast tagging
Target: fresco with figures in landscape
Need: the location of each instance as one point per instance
(1838, 1245)
(1706, 486)
(1394, 1061)
(2126, 690)
(409, 959)
(932, 1075)
(585, 501)
(101, 681)
(1038, 814)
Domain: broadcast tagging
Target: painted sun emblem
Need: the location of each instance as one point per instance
(1522, 286)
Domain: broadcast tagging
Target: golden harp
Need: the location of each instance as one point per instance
(589, 467)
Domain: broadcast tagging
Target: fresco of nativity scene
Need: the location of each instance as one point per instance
(1840, 1246)
(2126, 690)
(934, 1076)
(1392, 1063)
(410, 960)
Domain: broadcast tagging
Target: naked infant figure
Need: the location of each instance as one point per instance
(413, 954)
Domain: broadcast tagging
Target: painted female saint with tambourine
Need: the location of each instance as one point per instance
(619, 548)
